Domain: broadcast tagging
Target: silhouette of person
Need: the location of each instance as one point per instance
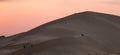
(82, 34)
(24, 46)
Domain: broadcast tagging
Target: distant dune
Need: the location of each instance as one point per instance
(85, 33)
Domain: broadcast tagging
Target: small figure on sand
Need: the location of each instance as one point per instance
(82, 34)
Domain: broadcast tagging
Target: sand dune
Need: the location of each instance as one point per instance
(77, 34)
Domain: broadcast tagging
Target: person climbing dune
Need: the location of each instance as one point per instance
(82, 34)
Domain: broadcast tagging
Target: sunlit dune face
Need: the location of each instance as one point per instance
(22, 15)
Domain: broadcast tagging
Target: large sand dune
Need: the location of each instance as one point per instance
(86, 33)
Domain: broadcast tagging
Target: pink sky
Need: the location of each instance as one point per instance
(22, 15)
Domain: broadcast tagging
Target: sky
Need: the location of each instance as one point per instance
(22, 15)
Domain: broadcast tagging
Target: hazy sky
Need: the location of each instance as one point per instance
(21, 15)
